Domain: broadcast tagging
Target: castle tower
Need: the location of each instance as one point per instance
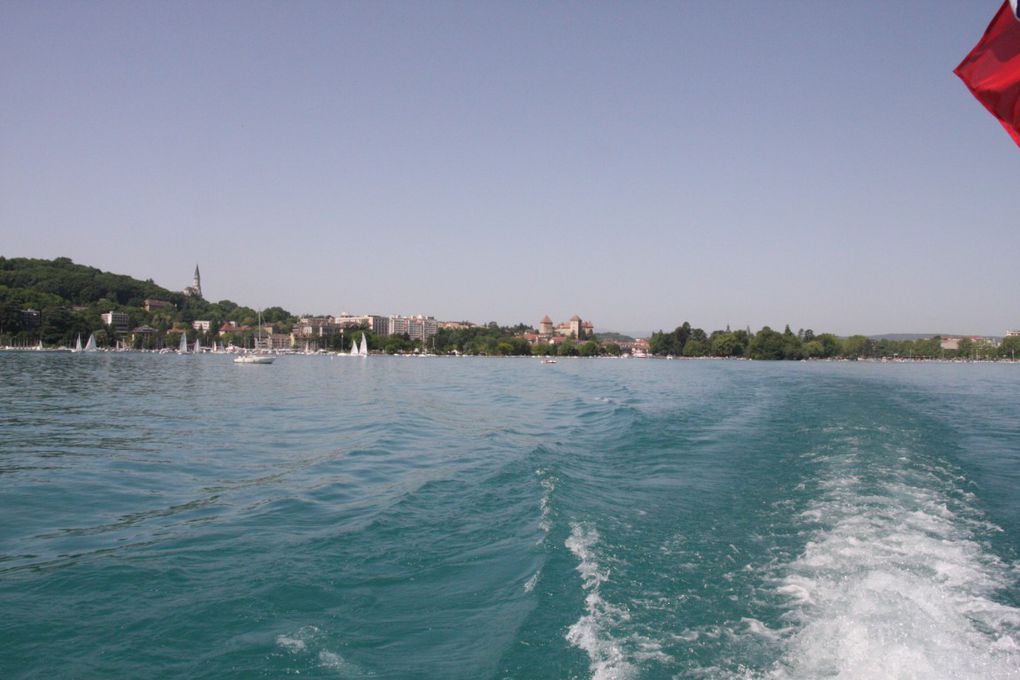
(545, 326)
(575, 326)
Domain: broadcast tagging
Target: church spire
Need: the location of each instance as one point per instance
(195, 289)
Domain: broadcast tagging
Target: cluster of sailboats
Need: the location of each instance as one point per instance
(358, 349)
(197, 348)
(90, 345)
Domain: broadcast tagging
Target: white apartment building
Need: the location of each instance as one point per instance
(418, 327)
(377, 324)
(118, 321)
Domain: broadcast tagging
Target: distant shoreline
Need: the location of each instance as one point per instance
(627, 358)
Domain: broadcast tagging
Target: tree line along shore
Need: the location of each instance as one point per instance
(55, 301)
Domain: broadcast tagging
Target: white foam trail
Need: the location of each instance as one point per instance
(548, 486)
(531, 583)
(335, 662)
(298, 640)
(615, 646)
(895, 585)
(290, 644)
(593, 632)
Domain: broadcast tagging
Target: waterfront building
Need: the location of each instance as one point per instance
(536, 338)
(953, 341)
(417, 327)
(274, 341)
(456, 325)
(317, 327)
(1013, 334)
(118, 321)
(576, 328)
(379, 325)
(142, 333)
(545, 326)
(203, 326)
(310, 332)
(398, 325)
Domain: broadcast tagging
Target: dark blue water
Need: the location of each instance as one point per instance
(167, 516)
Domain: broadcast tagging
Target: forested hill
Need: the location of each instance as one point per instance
(43, 283)
(55, 300)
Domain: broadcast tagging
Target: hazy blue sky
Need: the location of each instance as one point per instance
(813, 163)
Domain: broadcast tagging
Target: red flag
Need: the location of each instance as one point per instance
(992, 69)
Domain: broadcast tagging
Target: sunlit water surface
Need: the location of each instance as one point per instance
(182, 516)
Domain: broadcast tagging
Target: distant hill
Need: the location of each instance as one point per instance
(613, 336)
(40, 283)
(900, 337)
(56, 300)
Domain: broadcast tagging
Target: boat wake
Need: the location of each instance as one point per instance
(306, 645)
(613, 653)
(895, 581)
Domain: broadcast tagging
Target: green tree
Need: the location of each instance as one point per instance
(696, 347)
(398, 344)
(767, 344)
(1010, 347)
(830, 344)
(813, 349)
(792, 345)
(673, 343)
(661, 343)
(857, 346)
(542, 349)
(723, 344)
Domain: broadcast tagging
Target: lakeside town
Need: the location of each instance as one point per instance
(117, 313)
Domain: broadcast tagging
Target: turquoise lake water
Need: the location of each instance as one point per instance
(169, 516)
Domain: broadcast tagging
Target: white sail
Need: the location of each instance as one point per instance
(183, 349)
(90, 346)
(198, 345)
(363, 350)
(354, 347)
(77, 344)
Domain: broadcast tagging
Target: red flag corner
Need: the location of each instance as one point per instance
(992, 69)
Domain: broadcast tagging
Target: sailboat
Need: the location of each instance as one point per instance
(363, 350)
(77, 344)
(90, 346)
(183, 349)
(198, 346)
(255, 358)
